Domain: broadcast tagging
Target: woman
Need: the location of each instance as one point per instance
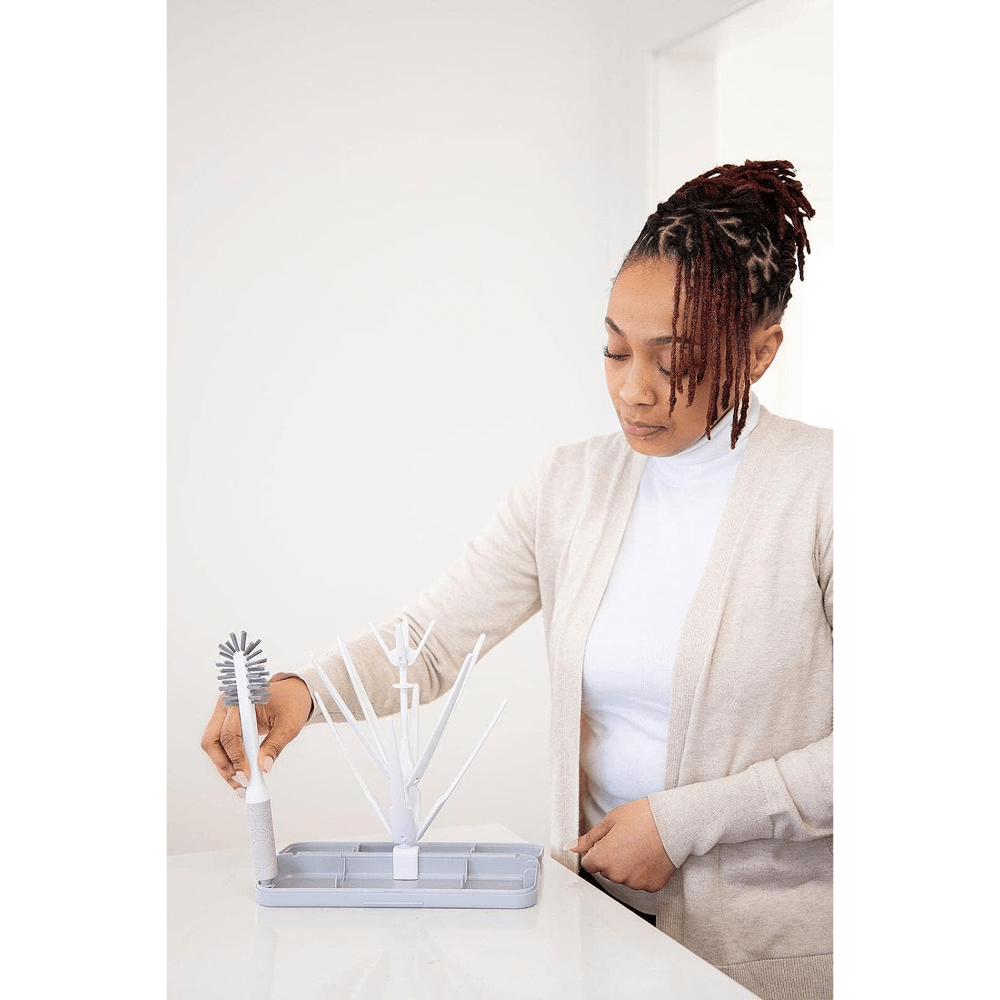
(683, 569)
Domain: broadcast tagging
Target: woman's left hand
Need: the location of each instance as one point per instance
(625, 848)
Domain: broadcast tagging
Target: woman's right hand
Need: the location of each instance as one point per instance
(280, 720)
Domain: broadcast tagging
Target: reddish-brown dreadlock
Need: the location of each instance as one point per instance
(738, 235)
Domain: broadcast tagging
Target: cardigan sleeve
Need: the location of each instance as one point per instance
(790, 798)
(492, 589)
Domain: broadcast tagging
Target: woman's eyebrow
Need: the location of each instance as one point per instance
(655, 342)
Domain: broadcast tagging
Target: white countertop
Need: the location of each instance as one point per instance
(574, 942)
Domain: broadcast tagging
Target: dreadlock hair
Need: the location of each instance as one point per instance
(736, 234)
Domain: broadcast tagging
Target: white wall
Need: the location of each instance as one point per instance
(392, 232)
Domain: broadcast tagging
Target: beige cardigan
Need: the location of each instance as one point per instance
(746, 812)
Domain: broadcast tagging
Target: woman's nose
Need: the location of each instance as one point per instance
(637, 389)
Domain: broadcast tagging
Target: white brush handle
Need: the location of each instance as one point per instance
(259, 822)
(248, 716)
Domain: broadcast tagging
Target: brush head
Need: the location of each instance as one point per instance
(256, 673)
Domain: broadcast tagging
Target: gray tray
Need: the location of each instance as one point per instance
(348, 873)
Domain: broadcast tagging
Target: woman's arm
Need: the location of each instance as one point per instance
(493, 588)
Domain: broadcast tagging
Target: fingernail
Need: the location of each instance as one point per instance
(241, 794)
(569, 847)
(241, 778)
(267, 765)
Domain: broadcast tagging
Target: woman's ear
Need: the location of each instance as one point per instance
(764, 344)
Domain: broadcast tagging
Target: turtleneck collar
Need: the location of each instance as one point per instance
(707, 458)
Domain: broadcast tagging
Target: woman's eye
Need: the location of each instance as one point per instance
(622, 357)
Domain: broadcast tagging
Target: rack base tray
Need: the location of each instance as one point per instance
(352, 873)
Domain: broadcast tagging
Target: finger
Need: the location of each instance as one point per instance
(603, 859)
(284, 730)
(211, 743)
(231, 738)
(591, 837)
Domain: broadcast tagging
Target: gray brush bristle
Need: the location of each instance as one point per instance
(257, 675)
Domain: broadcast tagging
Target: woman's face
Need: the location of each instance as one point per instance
(637, 362)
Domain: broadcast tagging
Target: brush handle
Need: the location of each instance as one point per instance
(265, 864)
(248, 717)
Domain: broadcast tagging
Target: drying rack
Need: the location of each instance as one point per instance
(404, 871)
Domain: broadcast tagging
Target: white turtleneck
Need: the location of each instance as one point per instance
(629, 659)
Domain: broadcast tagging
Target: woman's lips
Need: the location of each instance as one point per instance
(639, 430)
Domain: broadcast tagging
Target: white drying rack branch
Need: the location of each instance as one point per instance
(398, 758)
